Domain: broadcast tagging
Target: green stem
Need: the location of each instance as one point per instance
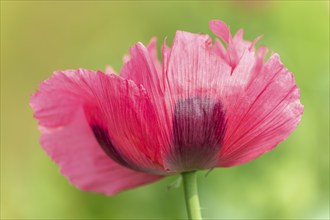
(191, 195)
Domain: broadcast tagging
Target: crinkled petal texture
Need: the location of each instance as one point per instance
(262, 102)
(203, 106)
(88, 123)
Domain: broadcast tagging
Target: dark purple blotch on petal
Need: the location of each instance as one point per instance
(104, 140)
(198, 130)
(102, 137)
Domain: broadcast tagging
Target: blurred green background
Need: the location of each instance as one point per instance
(38, 37)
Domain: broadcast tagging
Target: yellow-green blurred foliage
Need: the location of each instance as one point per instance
(38, 37)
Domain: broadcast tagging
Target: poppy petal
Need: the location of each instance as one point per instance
(261, 115)
(141, 68)
(195, 75)
(144, 69)
(220, 29)
(152, 49)
(127, 117)
(60, 107)
(236, 46)
(193, 67)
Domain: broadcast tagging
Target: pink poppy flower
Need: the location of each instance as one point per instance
(203, 106)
